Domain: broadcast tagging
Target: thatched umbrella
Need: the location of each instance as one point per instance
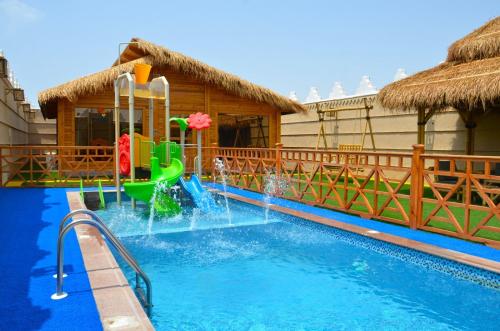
(468, 81)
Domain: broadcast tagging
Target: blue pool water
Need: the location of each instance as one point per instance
(211, 272)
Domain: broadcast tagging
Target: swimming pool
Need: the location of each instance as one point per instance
(245, 273)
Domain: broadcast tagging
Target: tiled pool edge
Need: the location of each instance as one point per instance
(115, 300)
(468, 259)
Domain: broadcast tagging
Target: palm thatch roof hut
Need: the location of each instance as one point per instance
(194, 86)
(468, 81)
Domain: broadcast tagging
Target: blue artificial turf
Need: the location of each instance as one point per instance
(29, 221)
(400, 231)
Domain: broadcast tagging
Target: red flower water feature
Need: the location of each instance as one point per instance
(199, 121)
(124, 153)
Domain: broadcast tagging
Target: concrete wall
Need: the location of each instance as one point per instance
(42, 131)
(17, 128)
(393, 130)
(13, 123)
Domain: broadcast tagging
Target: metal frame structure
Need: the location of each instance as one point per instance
(333, 112)
(131, 101)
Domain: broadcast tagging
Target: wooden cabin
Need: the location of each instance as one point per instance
(243, 114)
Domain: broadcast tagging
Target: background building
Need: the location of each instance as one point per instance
(393, 130)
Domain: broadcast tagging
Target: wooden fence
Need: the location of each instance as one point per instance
(449, 194)
(50, 166)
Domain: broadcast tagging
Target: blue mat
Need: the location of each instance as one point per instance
(29, 219)
(400, 231)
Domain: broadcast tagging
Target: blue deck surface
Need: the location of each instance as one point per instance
(421, 236)
(29, 220)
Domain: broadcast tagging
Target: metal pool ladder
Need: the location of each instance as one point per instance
(96, 221)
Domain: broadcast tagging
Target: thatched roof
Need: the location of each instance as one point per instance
(470, 85)
(157, 56)
(469, 80)
(480, 44)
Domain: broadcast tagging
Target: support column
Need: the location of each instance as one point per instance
(321, 132)
(131, 132)
(416, 187)
(421, 126)
(151, 120)
(471, 133)
(469, 119)
(117, 137)
(423, 118)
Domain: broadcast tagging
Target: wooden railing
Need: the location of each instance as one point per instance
(461, 196)
(410, 189)
(190, 154)
(55, 165)
(448, 194)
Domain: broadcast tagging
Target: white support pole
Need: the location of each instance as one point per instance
(166, 91)
(131, 131)
(125, 76)
(167, 117)
(183, 143)
(199, 152)
(117, 137)
(151, 119)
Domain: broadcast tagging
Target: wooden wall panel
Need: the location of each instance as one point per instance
(65, 124)
(187, 95)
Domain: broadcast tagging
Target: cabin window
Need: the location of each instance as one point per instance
(96, 126)
(124, 121)
(243, 131)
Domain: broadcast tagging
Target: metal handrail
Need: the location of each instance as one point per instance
(97, 222)
(76, 212)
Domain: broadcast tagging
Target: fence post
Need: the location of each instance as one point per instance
(214, 153)
(279, 146)
(416, 187)
(277, 157)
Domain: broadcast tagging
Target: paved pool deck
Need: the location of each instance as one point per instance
(424, 237)
(29, 218)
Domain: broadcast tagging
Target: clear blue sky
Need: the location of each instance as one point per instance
(283, 45)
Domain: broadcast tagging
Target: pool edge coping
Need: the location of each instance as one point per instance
(112, 293)
(468, 259)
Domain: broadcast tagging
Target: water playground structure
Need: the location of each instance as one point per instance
(164, 160)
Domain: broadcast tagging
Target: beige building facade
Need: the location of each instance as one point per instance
(393, 131)
(42, 131)
(14, 123)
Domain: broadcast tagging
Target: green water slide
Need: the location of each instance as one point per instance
(168, 176)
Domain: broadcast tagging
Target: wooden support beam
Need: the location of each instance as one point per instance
(278, 129)
(321, 132)
(368, 126)
(422, 118)
(334, 110)
(469, 118)
(421, 127)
